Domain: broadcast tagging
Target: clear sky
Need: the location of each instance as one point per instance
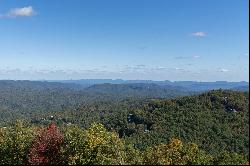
(202, 40)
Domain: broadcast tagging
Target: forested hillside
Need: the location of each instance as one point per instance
(31, 99)
(215, 122)
(139, 90)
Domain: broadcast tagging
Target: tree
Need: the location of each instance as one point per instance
(94, 146)
(165, 154)
(195, 156)
(133, 155)
(176, 153)
(15, 141)
(74, 145)
(46, 147)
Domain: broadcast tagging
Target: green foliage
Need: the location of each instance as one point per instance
(196, 156)
(165, 154)
(74, 145)
(205, 120)
(97, 146)
(133, 155)
(208, 120)
(230, 158)
(94, 146)
(175, 153)
(15, 142)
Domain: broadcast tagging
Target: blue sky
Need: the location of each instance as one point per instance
(202, 40)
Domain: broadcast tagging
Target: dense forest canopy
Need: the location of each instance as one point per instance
(22, 144)
(145, 120)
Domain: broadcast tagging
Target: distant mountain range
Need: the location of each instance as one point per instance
(241, 88)
(139, 90)
(187, 85)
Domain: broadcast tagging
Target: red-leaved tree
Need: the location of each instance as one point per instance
(46, 147)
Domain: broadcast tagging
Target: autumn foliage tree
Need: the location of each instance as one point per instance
(46, 147)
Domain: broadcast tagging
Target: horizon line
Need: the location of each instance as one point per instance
(49, 80)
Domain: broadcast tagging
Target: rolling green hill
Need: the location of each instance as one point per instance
(216, 120)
